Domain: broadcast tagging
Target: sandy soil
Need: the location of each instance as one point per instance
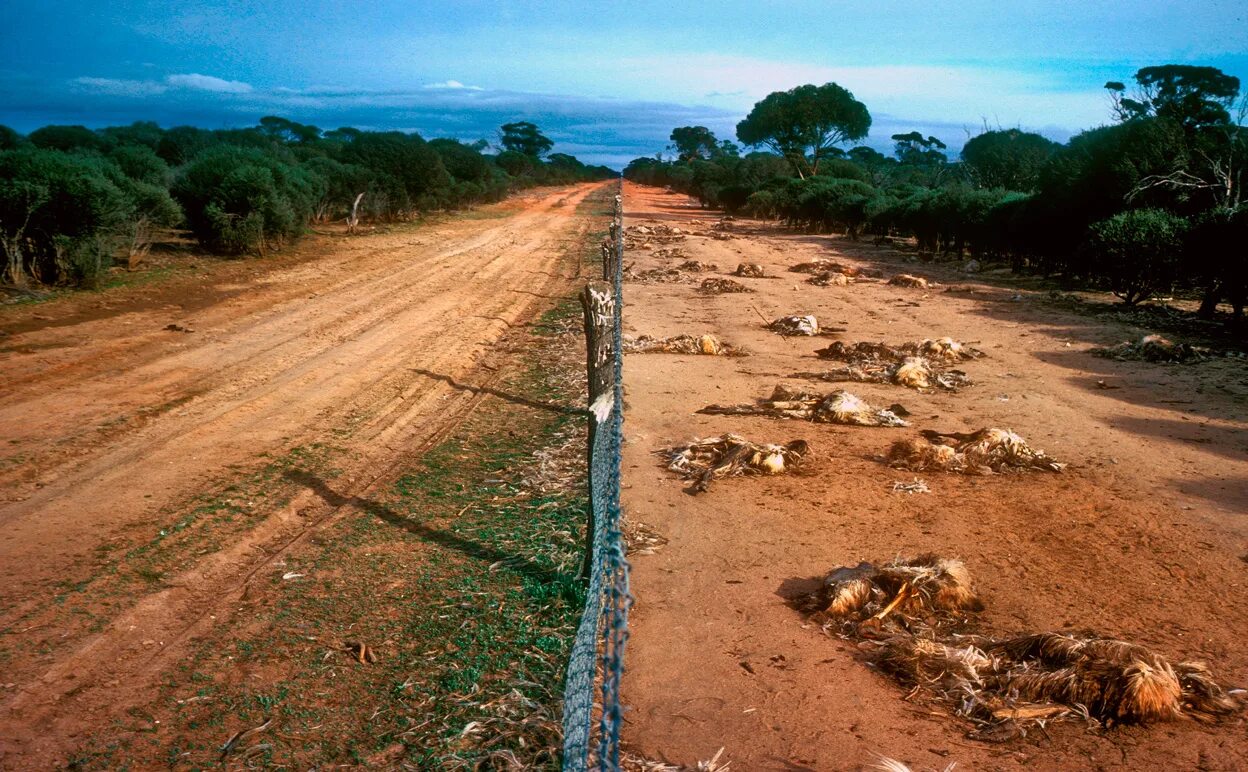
(111, 422)
(1144, 536)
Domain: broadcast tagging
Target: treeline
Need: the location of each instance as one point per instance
(1150, 204)
(73, 200)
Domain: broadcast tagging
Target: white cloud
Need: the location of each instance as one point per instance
(453, 84)
(208, 83)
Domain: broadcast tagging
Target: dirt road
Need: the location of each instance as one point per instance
(1144, 536)
(119, 424)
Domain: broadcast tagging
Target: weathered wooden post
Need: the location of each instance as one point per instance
(598, 303)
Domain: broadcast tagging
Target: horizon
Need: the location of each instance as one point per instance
(606, 84)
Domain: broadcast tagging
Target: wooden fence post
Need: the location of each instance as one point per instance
(598, 304)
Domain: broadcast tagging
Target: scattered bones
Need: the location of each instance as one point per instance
(730, 455)
(982, 452)
(838, 407)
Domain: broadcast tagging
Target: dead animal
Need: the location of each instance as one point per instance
(909, 280)
(795, 325)
(916, 618)
(935, 350)
(657, 276)
(829, 279)
(822, 266)
(697, 266)
(1155, 348)
(730, 455)
(721, 286)
(912, 372)
(982, 452)
(706, 345)
(750, 270)
(837, 407)
(1116, 681)
(894, 595)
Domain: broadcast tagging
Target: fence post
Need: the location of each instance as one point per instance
(598, 304)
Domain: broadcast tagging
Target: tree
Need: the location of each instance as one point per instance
(525, 138)
(1139, 250)
(1010, 158)
(66, 138)
(694, 142)
(805, 123)
(1190, 95)
(9, 139)
(917, 150)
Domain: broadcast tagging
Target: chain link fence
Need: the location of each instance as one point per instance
(592, 689)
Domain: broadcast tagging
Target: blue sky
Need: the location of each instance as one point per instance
(607, 81)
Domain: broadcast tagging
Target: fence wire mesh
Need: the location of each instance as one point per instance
(596, 663)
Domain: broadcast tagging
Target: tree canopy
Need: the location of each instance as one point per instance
(694, 142)
(1190, 95)
(525, 138)
(805, 123)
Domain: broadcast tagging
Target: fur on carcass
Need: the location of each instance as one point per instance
(706, 345)
(795, 325)
(909, 280)
(913, 617)
(934, 349)
(720, 286)
(1155, 348)
(912, 372)
(894, 594)
(829, 279)
(697, 266)
(837, 407)
(981, 452)
(730, 455)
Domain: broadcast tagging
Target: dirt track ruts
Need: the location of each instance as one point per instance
(339, 349)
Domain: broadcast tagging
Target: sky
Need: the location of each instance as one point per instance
(606, 81)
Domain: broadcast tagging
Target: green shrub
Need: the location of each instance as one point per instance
(1139, 251)
(241, 200)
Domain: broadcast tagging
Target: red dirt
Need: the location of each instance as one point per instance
(112, 422)
(1144, 536)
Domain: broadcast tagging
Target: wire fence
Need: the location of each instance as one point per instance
(596, 663)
